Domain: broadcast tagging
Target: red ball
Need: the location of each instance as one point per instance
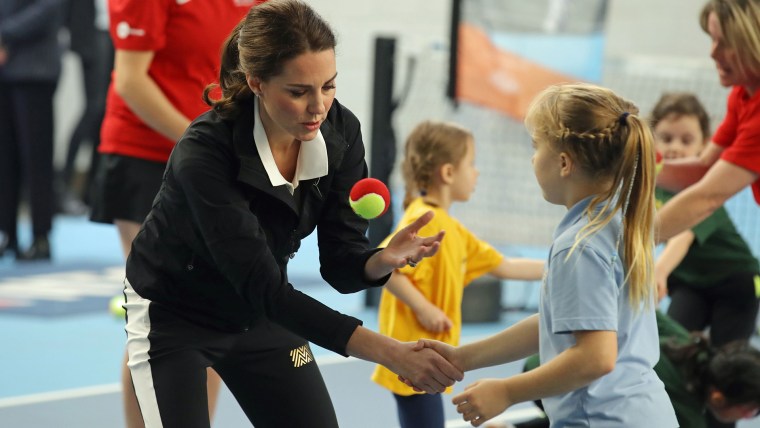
(369, 188)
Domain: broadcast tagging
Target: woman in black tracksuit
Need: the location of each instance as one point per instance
(207, 282)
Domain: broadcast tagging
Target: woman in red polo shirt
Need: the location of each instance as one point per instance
(167, 52)
(731, 161)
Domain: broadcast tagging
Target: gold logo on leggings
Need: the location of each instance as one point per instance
(301, 355)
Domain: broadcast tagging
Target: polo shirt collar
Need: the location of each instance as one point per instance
(312, 157)
(572, 216)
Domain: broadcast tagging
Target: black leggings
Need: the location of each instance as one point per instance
(729, 308)
(420, 410)
(270, 371)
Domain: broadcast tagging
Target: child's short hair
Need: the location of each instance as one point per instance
(681, 104)
(429, 146)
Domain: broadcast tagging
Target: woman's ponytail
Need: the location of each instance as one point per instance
(232, 80)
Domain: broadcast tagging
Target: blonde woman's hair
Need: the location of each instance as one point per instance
(430, 146)
(603, 135)
(740, 24)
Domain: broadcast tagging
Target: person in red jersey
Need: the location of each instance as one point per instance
(731, 162)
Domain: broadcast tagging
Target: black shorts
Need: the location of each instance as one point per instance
(124, 188)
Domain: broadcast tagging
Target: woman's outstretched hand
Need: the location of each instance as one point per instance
(407, 247)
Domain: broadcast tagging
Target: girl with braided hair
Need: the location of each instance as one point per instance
(425, 300)
(595, 330)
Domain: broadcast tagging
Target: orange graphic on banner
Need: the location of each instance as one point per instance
(494, 78)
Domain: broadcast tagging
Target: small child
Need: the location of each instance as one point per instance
(595, 331)
(424, 300)
(708, 271)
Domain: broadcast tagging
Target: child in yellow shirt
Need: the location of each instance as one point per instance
(424, 300)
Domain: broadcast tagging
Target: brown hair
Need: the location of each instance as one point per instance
(271, 34)
(430, 146)
(681, 104)
(603, 134)
(740, 24)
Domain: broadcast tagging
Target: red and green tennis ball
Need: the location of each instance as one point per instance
(115, 306)
(369, 198)
(658, 162)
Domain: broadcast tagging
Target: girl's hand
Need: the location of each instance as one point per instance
(662, 286)
(433, 319)
(406, 247)
(483, 400)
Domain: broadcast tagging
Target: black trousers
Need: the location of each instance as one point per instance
(728, 308)
(270, 371)
(26, 154)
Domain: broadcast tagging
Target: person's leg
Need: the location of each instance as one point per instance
(127, 232)
(420, 410)
(688, 306)
(168, 364)
(9, 171)
(273, 376)
(35, 132)
(132, 415)
(735, 309)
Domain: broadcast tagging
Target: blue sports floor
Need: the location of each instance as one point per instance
(61, 349)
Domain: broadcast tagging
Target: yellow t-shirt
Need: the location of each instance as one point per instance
(461, 258)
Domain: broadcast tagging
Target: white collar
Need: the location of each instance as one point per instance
(312, 157)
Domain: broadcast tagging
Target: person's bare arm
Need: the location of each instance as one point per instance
(697, 202)
(678, 174)
(429, 315)
(670, 257)
(593, 356)
(526, 269)
(511, 344)
(144, 97)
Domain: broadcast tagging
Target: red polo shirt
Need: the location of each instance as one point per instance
(739, 133)
(187, 37)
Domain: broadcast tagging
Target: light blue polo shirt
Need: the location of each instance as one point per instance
(586, 292)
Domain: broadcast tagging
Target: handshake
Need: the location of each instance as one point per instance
(428, 366)
(431, 366)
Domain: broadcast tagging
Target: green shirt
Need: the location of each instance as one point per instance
(718, 250)
(690, 408)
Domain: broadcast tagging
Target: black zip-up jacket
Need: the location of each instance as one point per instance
(214, 248)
